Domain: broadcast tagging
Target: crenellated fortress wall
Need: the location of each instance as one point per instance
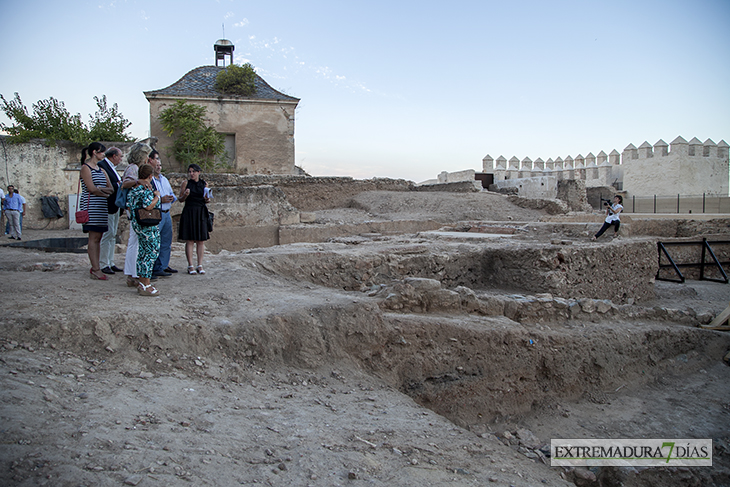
(688, 168)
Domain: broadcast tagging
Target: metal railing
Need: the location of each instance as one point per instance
(703, 203)
(706, 269)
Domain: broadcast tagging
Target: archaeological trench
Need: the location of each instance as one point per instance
(481, 307)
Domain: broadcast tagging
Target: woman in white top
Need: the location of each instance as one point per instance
(612, 217)
(137, 156)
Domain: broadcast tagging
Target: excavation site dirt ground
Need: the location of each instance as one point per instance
(407, 359)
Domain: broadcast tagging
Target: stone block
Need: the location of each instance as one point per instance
(289, 218)
(307, 217)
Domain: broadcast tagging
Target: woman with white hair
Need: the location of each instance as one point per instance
(138, 154)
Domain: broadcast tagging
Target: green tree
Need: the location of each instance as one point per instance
(193, 141)
(237, 80)
(108, 123)
(51, 120)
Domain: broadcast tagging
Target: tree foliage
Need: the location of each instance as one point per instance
(108, 123)
(194, 142)
(237, 80)
(51, 120)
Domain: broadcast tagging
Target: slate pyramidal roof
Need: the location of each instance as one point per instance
(199, 83)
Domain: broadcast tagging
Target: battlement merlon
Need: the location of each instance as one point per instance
(697, 167)
(679, 146)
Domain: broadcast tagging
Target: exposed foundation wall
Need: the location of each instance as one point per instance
(455, 177)
(573, 192)
(623, 273)
(595, 195)
(305, 193)
(311, 194)
(455, 187)
(261, 211)
(538, 187)
(248, 217)
(313, 233)
(250, 206)
(678, 228)
(616, 272)
(245, 216)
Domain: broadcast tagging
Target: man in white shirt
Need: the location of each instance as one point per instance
(113, 156)
(167, 198)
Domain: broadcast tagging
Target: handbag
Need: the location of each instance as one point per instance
(148, 218)
(81, 216)
(211, 219)
(121, 199)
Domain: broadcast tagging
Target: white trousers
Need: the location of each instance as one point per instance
(130, 260)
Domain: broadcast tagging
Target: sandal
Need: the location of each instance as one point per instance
(94, 276)
(200, 269)
(191, 269)
(148, 290)
(132, 281)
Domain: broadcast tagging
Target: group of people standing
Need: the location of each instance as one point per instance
(149, 246)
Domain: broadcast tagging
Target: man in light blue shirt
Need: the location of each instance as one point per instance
(167, 198)
(22, 213)
(14, 207)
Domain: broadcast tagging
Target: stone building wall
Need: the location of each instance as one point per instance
(688, 168)
(263, 131)
(38, 168)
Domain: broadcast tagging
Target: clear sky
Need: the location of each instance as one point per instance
(401, 89)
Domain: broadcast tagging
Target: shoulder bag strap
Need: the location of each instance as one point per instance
(78, 191)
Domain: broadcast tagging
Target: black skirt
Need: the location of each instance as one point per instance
(193, 224)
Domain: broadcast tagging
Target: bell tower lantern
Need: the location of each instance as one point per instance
(223, 48)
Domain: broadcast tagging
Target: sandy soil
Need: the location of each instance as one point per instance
(246, 377)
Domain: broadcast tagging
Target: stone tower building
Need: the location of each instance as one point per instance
(259, 129)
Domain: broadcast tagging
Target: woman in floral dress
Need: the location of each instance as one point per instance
(148, 236)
